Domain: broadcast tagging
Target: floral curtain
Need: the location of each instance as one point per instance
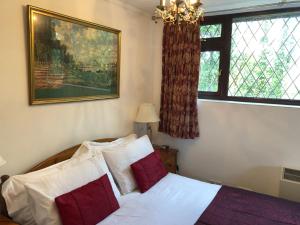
(180, 75)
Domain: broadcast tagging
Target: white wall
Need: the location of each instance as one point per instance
(241, 144)
(29, 134)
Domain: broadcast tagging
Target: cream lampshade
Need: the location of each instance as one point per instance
(146, 114)
(2, 161)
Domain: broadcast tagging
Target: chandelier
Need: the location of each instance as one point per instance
(178, 11)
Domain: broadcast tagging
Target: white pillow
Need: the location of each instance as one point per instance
(94, 147)
(44, 190)
(120, 159)
(16, 197)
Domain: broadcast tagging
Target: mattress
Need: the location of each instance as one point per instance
(174, 200)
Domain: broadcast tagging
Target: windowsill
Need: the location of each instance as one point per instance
(249, 103)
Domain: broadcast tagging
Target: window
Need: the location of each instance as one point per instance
(210, 63)
(251, 57)
(212, 47)
(211, 31)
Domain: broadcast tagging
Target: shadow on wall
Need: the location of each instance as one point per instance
(209, 164)
(241, 145)
(265, 180)
(261, 179)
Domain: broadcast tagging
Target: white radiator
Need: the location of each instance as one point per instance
(290, 184)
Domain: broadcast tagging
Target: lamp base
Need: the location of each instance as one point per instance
(149, 131)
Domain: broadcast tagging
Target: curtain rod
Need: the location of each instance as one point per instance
(254, 8)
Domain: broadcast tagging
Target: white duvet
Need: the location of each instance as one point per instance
(175, 200)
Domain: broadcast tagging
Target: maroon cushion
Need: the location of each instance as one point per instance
(148, 171)
(89, 204)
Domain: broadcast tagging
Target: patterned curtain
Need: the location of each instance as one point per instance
(180, 74)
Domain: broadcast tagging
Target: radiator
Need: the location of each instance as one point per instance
(290, 184)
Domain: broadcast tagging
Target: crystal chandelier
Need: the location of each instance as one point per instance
(177, 11)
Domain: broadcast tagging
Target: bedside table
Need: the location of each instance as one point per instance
(5, 221)
(169, 157)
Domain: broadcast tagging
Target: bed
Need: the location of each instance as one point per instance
(177, 200)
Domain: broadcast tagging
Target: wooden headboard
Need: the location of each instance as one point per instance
(62, 156)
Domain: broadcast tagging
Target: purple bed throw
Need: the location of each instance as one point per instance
(233, 206)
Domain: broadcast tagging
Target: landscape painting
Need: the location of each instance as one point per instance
(71, 60)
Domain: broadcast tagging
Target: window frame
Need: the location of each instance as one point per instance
(223, 44)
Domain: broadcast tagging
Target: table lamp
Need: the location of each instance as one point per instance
(146, 114)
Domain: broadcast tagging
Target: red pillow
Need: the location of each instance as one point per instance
(148, 171)
(89, 204)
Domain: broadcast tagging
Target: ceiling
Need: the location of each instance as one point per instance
(208, 5)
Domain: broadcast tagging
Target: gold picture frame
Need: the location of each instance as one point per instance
(70, 59)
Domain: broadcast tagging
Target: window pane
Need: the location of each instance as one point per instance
(209, 74)
(211, 31)
(265, 57)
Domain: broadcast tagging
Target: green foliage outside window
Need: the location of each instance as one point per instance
(264, 61)
(262, 64)
(209, 71)
(211, 31)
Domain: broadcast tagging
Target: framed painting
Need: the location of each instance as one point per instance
(71, 59)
